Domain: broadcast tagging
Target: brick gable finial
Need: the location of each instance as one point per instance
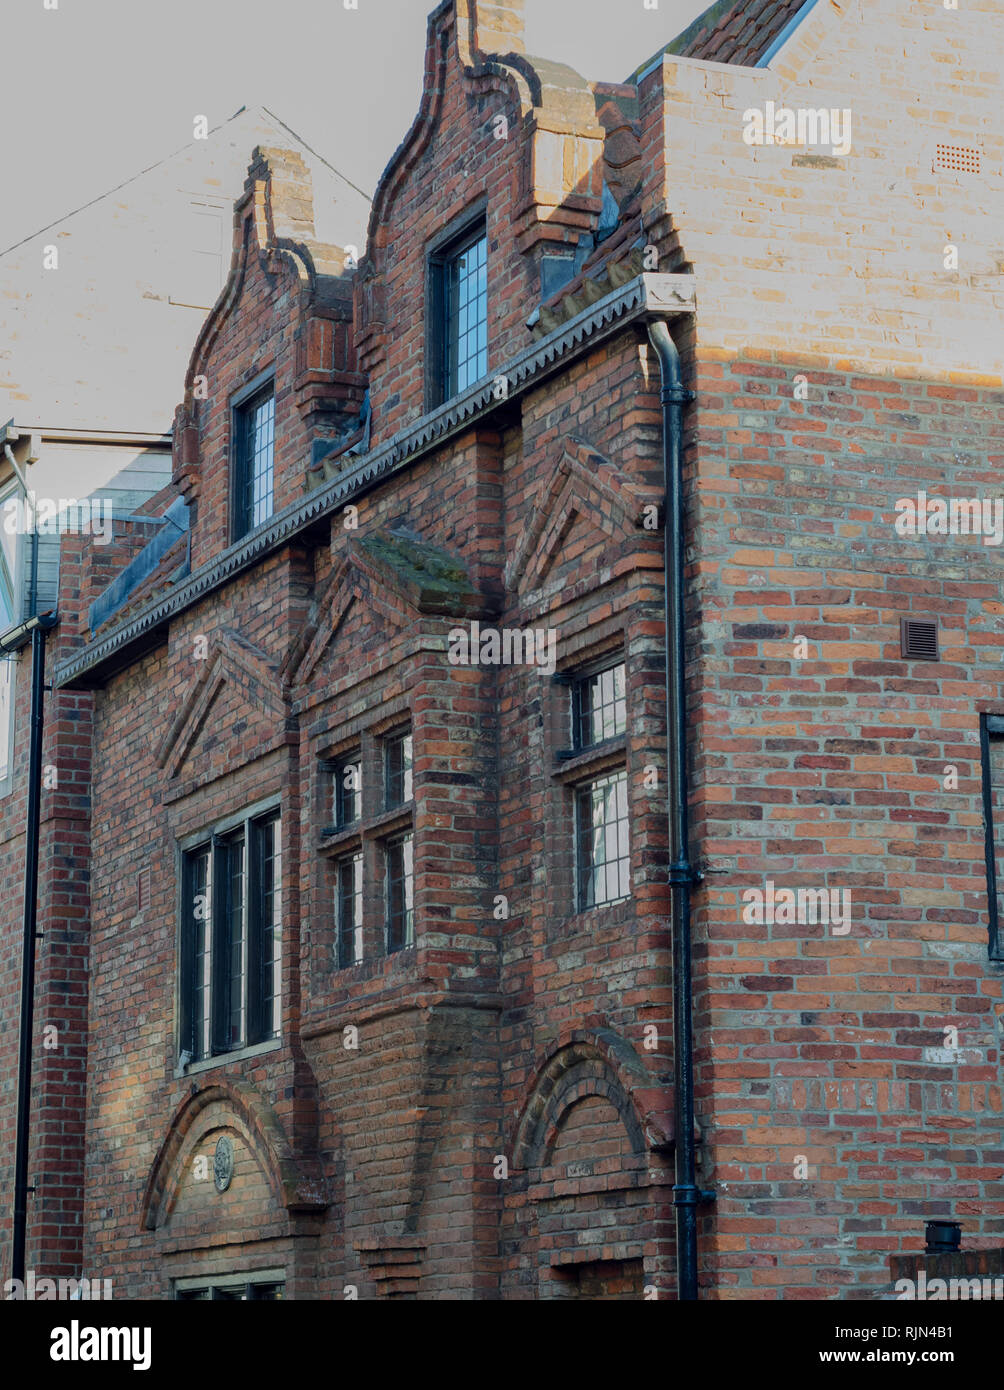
(496, 26)
(290, 195)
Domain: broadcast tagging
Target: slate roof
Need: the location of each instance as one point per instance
(733, 31)
(169, 569)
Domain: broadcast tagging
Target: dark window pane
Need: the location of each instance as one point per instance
(255, 445)
(199, 954)
(467, 316)
(600, 707)
(232, 948)
(348, 791)
(236, 938)
(349, 910)
(397, 755)
(603, 858)
(269, 918)
(6, 705)
(400, 894)
(9, 609)
(232, 1293)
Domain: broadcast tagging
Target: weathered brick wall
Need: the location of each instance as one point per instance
(831, 771)
(524, 146)
(576, 983)
(452, 163)
(840, 367)
(458, 1036)
(59, 1052)
(543, 1035)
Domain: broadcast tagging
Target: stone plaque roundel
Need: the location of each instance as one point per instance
(223, 1164)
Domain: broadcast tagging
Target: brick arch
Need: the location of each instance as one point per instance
(565, 1108)
(590, 1063)
(297, 1186)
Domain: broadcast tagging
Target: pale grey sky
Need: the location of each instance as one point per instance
(96, 90)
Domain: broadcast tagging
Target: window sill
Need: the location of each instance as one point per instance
(596, 760)
(397, 818)
(609, 917)
(339, 977)
(341, 841)
(335, 843)
(224, 1059)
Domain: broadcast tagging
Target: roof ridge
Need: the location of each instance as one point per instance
(742, 32)
(173, 155)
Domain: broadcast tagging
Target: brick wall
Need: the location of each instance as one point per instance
(839, 367)
(59, 1055)
(490, 1112)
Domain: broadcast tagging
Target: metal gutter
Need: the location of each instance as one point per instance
(639, 299)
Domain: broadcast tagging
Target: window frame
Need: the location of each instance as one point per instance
(404, 738)
(258, 974)
(353, 863)
(242, 406)
(579, 682)
(582, 879)
(591, 651)
(337, 769)
(390, 845)
(185, 1290)
(991, 729)
(457, 238)
(383, 819)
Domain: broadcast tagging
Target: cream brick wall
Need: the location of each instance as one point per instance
(845, 262)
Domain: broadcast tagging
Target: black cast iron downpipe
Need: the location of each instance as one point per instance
(686, 1194)
(38, 627)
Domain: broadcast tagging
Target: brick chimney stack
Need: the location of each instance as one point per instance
(498, 26)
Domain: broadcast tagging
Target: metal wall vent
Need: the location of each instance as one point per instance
(958, 158)
(918, 640)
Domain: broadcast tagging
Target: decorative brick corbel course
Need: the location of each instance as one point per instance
(394, 1263)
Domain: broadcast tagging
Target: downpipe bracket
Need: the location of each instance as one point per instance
(688, 1196)
(682, 872)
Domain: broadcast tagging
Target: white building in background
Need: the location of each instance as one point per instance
(98, 314)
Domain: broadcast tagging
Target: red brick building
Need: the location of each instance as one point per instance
(373, 902)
